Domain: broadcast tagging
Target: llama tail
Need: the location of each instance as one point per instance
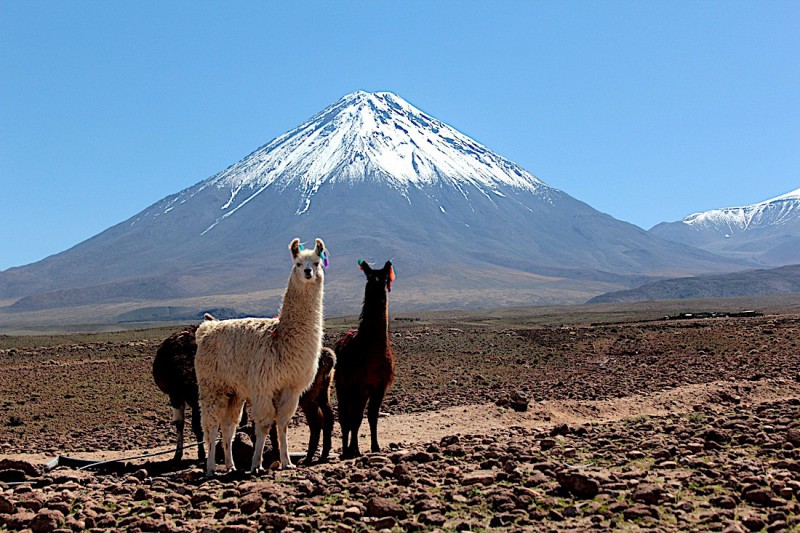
(209, 317)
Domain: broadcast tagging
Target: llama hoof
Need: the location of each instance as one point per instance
(258, 471)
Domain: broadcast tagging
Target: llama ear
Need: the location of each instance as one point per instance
(294, 247)
(364, 266)
(322, 252)
(390, 276)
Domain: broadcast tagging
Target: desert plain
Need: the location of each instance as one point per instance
(606, 417)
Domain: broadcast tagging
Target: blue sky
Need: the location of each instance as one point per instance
(648, 111)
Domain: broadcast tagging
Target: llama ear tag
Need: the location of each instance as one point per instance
(361, 264)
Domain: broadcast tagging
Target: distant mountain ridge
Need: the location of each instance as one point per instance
(767, 232)
(781, 280)
(377, 179)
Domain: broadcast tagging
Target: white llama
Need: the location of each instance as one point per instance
(267, 362)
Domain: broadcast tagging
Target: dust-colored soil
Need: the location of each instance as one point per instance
(670, 425)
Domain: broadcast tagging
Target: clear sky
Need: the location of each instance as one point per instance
(648, 111)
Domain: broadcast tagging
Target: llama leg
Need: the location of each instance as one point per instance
(314, 419)
(178, 419)
(210, 427)
(233, 413)
(258, 451)
(357, 413)
(197, 428)
(273, 441)
(263, 414)
(375, 402)
(345, 418)
(285, 409)
(327, 429)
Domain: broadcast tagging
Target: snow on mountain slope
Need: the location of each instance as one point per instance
(768, 232)
(367, 136)
(784, 209)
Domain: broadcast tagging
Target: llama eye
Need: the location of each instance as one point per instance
(316, 264)
(299, 264)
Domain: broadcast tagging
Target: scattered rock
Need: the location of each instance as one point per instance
(647, 493)
(377, 506)
(15, 464)
(759, 496)
(6, 505)
(578, 484)
(46, 520)
(250, 503)
(482, 477)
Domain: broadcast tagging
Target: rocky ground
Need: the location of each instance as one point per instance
(672, 425)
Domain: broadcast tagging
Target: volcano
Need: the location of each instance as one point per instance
(377, 179)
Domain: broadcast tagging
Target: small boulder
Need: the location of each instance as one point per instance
(647, 493)
(378, 506)
(793, 436)
(46, 520)
(6, 505)
(478, 477)
(29, 468)
(250, 503)
(578, 484)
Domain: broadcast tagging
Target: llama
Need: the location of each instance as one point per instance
(173, 372)
(267, 362)
(365, 362)
(316, 406)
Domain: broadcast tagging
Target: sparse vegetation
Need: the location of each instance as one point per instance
(710, 457)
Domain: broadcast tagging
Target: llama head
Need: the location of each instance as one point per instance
(309, 265)
(382, 278)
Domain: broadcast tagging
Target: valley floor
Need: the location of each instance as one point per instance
(670, 425)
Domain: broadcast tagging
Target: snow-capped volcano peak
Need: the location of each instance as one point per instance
(371, 137)
(775, 211)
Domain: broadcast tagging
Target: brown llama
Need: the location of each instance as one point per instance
(365, 362)
(173, 373)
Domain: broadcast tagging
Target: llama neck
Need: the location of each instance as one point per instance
(302, 306)
(375, 313)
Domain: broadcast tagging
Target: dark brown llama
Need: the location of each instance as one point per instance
(173, 372)
(365, 362)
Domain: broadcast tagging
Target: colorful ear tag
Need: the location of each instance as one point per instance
(302, 247)
(361, 264)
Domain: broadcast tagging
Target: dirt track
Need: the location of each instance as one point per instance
(704, 413)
